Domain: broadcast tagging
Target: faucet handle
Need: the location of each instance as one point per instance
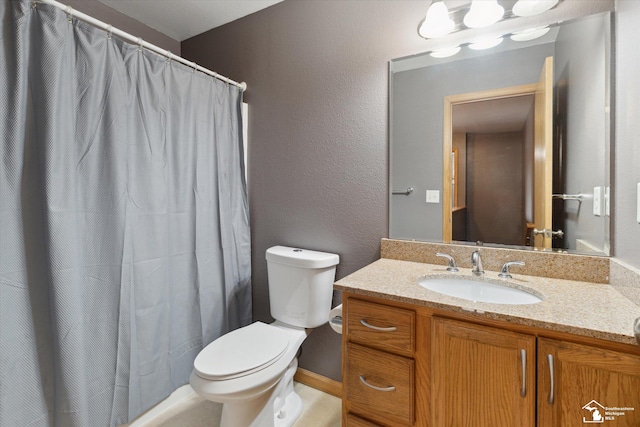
(504, 272)
(453, 267)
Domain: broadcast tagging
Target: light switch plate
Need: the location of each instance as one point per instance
(597, 201)
(607, 201)
(433, 196)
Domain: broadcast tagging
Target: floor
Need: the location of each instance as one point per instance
(320, 410)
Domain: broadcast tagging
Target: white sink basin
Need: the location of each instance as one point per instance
(478, 291)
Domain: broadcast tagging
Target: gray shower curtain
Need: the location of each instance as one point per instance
(124, 233)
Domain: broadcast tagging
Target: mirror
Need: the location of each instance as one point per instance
(460, 166)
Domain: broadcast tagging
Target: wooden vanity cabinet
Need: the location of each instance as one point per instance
(575, 376)
(379, 366)
(354, 421)
(451, 369)
(482, 376)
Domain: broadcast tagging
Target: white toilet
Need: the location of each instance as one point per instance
(250, 370)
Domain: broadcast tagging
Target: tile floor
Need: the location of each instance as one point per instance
(320, 410)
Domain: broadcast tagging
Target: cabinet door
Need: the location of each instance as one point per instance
(580, 385)
(481, 376)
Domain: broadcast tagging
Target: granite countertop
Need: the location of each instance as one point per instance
(581, 308)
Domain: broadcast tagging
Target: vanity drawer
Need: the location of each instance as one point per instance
(379, 383)
(381, 326)
(353, 421)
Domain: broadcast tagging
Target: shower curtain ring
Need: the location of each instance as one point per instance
(139, 44)
(168, 54)
(109, 32)
(69, 11)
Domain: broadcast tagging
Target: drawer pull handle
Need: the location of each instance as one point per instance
(364, 381)
(551, 389)
(523, 357)
(377, 328)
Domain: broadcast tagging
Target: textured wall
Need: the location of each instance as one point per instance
(317, 75)
(626, 230)
(113, 17)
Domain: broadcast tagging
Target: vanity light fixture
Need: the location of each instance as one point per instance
(437, 22)
(483, 13)
(529, 34)
(485, 44)
(532, 7)
(445, 53)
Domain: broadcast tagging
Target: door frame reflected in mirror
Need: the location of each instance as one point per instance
(447, 140)
(542, 91)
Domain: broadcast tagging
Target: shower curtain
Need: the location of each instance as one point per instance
(124, 233)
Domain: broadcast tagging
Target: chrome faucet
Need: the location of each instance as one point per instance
(504, 272)
(476, 264)
(453, 267)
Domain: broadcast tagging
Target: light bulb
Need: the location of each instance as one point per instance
(532, 7)
(485, 44)
(483, 13)
(530, 34)
(437, 22)
(445, 52)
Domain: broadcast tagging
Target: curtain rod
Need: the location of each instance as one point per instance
(126, 36)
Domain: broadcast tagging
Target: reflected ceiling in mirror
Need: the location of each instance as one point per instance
(418, 88)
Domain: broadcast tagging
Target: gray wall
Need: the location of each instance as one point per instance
(317, 75)
(580, 69)
(626, 230)
(136, 28)
(417, 116)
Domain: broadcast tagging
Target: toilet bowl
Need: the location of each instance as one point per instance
(250, 370)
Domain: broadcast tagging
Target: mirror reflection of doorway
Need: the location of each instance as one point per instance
(507, 166)
(492, 195)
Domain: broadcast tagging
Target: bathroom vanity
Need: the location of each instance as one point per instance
(416, 357)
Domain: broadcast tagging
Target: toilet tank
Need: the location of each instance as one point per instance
(300, 285)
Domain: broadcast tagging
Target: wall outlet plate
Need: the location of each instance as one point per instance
(597, 201)
(433, 196)
(607, 201)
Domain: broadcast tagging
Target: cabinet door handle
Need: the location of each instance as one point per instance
(523, 358)
(364, 381)
(551, 389)
(377, 328)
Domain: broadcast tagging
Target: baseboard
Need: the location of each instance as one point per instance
(319, 382)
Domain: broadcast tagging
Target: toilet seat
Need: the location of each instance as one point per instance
(242, 352)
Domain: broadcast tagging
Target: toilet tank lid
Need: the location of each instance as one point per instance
(303, 258)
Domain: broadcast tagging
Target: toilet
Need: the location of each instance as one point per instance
(250, 370)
